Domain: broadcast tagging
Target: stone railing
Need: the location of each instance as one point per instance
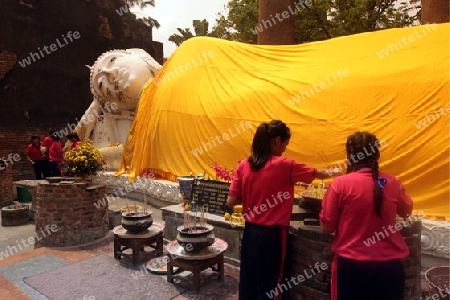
(120, 187)
(435, 238)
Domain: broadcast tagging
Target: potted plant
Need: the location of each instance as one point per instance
(83, 161)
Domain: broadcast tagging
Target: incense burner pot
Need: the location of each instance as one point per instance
(195, 238)
(137, 221)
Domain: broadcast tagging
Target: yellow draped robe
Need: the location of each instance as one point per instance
(205, 103)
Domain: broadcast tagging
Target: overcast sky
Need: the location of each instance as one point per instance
(180, 13)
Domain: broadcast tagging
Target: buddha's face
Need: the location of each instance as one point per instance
(119, 77)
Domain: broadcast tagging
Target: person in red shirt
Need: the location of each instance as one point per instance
(45, 147)
(55, 156)
(361, 208)
(36, 157)
(74, 139)
(264, 184)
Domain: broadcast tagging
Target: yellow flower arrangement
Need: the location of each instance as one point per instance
(83, 160)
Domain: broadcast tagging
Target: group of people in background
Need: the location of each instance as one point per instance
(46, 156)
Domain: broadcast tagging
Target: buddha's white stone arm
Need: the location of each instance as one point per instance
(87, 122)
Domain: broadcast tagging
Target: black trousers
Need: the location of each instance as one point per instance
(358, 280)
(54, 169)
(260, 261)
(40, 169)
(47, 170)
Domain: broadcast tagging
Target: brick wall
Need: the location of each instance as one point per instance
(69, 208)
(308, 246)
(16, 142)
(6, 187)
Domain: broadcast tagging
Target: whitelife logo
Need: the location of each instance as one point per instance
(281, 16)
(317, 88)
(31, 240)
(11, 159)
(49, 49)
(221, 138)
(405, 41)
(434, 116)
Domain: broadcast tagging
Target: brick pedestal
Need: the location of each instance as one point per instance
(309, 246)
(69, 210)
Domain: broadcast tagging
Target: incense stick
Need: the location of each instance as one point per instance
(145, 201)
(325, 159)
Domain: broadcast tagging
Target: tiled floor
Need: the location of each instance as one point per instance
(27, 262)
(16, 267)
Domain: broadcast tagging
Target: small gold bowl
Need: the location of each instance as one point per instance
(237, 209)
(132, 208)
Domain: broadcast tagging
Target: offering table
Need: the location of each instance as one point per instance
(210, 257)
(123, 240)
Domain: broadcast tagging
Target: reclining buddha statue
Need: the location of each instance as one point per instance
(116, 81)
(205, 103)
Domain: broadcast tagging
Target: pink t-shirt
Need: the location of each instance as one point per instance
(348, 206)
(268, 194)
(55, 152)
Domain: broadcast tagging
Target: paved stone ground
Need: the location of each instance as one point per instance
(18, 262)
(13, 252)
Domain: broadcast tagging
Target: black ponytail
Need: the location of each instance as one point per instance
(261, 150)
(377, 189)
(365, 142)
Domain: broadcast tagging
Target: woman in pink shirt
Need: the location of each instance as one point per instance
(264, 184)
(55, 156)
(74, 139)
(361, 208)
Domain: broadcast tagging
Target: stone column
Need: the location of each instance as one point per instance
(276, 19)
(435, 11)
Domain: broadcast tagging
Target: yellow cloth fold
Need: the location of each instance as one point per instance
(205, 103)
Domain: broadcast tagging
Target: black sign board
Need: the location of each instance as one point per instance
(212, 193)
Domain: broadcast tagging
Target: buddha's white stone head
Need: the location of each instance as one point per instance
(119, 76)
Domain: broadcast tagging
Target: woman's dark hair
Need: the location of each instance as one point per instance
(33, 137)
(55, 137)
(261, 150)
(73, 135)
(367, 144)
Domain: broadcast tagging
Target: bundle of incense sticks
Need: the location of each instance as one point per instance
(190, 222)
(203, 220)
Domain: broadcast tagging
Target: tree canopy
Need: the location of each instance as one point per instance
(201, 28)
(321, 19)
(149, 21)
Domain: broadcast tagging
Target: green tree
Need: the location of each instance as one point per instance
(201, 28)
(236, 21)
(149, 21)
(322, 19)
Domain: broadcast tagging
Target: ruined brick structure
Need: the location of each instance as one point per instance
(53, 90)
(70, 207)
